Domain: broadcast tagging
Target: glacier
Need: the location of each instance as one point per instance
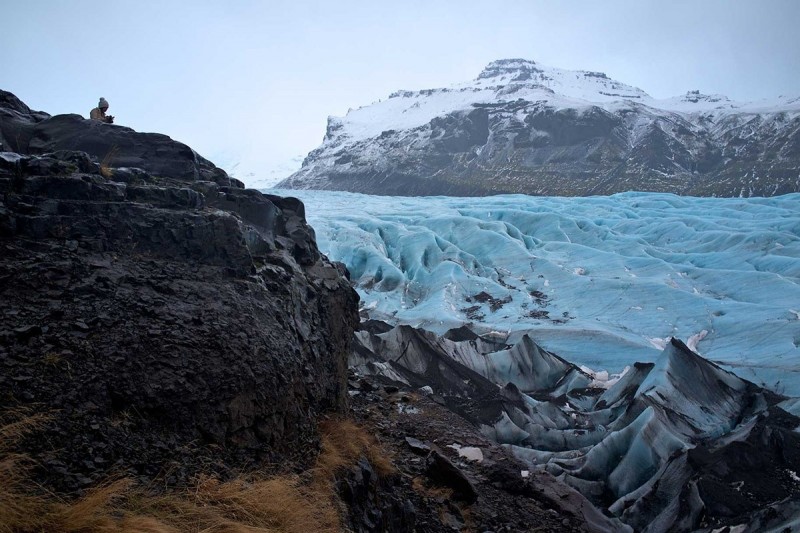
(600, 281)
(674, 445)
(630, 346)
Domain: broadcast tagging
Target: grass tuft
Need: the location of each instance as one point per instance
(105, 165)
(246, 504)
(343, 442)
(20, 504)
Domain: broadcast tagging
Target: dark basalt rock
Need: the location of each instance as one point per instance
(168, 324)
(417, 446)
(442, 471)
(29, 132)
(739, 478)
(375, 504)
(17, 122)
(506, 500)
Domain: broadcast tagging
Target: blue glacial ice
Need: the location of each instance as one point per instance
(600, 281)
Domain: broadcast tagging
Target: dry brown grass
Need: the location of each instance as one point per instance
(19, 502)
(105, 165)
(247, 504)
(343, 442)
(280, 505)
(434, 492)
(19, 505)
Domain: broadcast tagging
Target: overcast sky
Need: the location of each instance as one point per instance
(253, 82)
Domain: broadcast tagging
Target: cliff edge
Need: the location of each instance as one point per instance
(167, 320)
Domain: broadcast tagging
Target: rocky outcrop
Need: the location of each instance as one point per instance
(17, 122)
(525, 128)
(449, 476)
(169, 321)
(32, 132)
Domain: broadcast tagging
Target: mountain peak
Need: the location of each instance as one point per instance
(581, 84)
(518, 69)
(696, 96)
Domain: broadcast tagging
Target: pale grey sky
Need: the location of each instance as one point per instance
(253, 82)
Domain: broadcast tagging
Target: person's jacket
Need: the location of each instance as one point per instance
(98, 114)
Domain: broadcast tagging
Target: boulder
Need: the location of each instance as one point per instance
(444, 472)
(17, 121)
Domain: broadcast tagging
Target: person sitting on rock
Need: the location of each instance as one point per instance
(99, 112)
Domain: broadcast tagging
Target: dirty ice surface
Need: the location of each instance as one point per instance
(601, 281)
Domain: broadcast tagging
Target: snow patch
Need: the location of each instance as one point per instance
(470, 453)
(10, 157)
(406, 409)
(695, 339)
(731, 529)
(658, 342)
(602, 379)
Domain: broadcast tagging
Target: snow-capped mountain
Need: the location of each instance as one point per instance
(521, 127)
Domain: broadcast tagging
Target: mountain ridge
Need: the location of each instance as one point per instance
(521, 127)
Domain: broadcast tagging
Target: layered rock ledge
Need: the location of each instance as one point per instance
(168, 320)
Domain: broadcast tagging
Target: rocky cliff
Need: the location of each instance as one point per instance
(168, 320)
(521, 127)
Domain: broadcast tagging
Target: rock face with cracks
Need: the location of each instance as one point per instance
(169, 321)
